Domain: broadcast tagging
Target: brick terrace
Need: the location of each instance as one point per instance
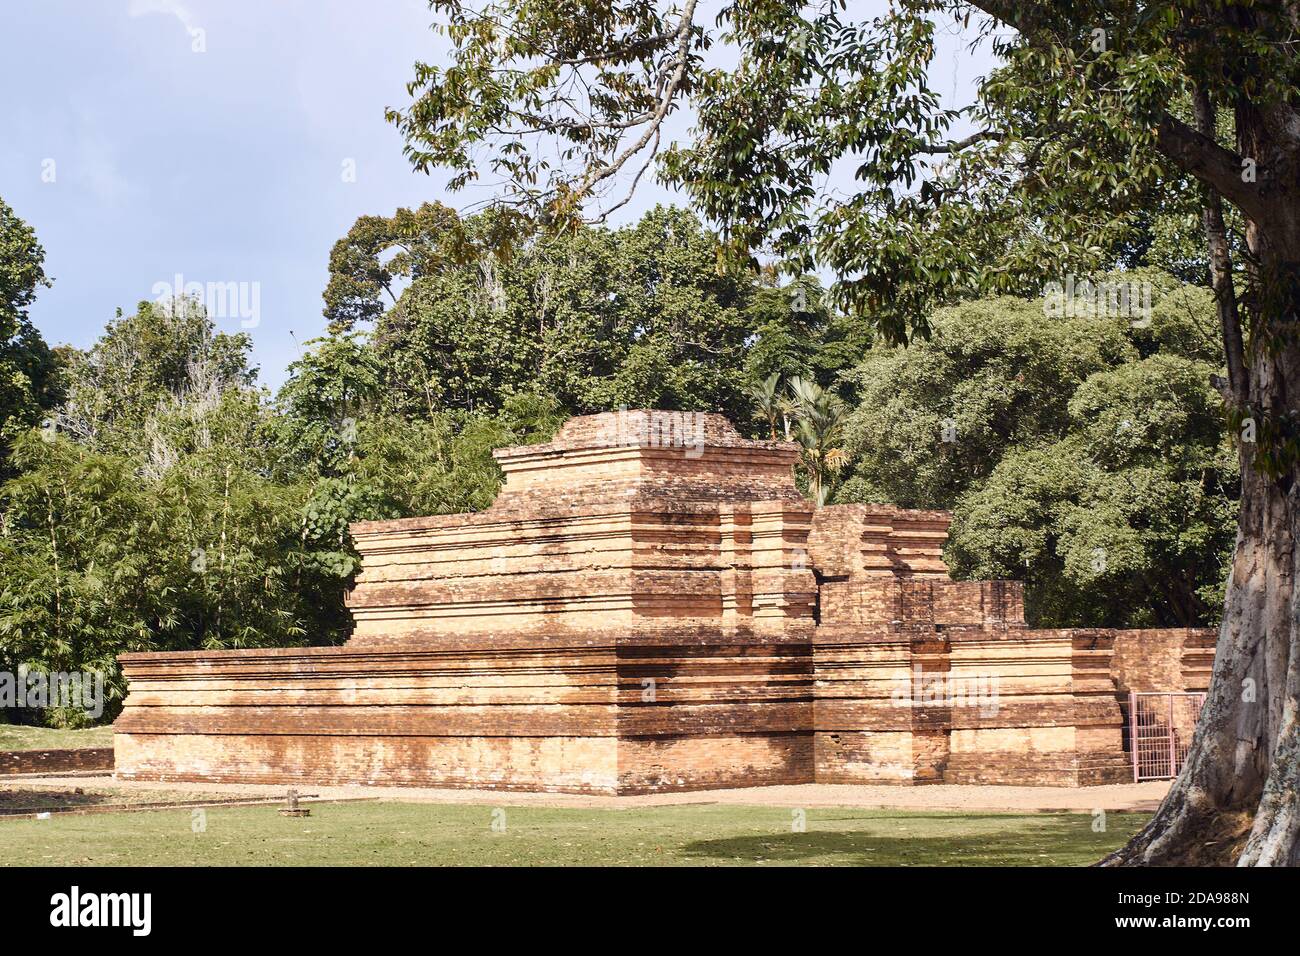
(639, 616)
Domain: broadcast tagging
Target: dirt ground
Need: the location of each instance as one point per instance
(1130, 796)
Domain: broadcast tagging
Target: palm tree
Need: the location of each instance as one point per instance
(819, 416)
(767, 400)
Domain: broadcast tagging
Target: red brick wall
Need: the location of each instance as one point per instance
(56, 761)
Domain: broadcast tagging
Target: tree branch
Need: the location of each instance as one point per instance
(958, 145)
(1225, 293)
(654, 151)
(665, 104)
(1212, 164)
(1193, 152)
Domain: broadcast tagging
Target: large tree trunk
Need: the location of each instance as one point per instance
(1236, 798)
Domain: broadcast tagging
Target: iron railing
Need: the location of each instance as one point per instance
(1160, 732)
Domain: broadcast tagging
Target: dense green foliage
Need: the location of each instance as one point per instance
(1084, 454)
(1075, 153)
(641, 316)
(28, 370)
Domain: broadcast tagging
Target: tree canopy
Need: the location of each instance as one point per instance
(28, 368)
(1083, 454)
(641, 316)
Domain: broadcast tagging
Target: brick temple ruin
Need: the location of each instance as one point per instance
(650, 604)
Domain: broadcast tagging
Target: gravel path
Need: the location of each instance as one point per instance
(1129, 796)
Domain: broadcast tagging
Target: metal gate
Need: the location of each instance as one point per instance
(1160, 732)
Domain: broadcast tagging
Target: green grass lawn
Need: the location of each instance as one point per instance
(14, 737)
(372, 833)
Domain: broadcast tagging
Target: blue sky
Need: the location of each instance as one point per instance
(136, 157)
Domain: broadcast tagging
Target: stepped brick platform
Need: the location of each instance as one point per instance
(651, 605)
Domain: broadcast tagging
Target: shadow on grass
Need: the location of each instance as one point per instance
(30, 801)
(1065, 840)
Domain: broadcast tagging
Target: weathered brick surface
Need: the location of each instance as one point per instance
(56, 761)
(922, 679)
(634, 612)
(651, 605)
